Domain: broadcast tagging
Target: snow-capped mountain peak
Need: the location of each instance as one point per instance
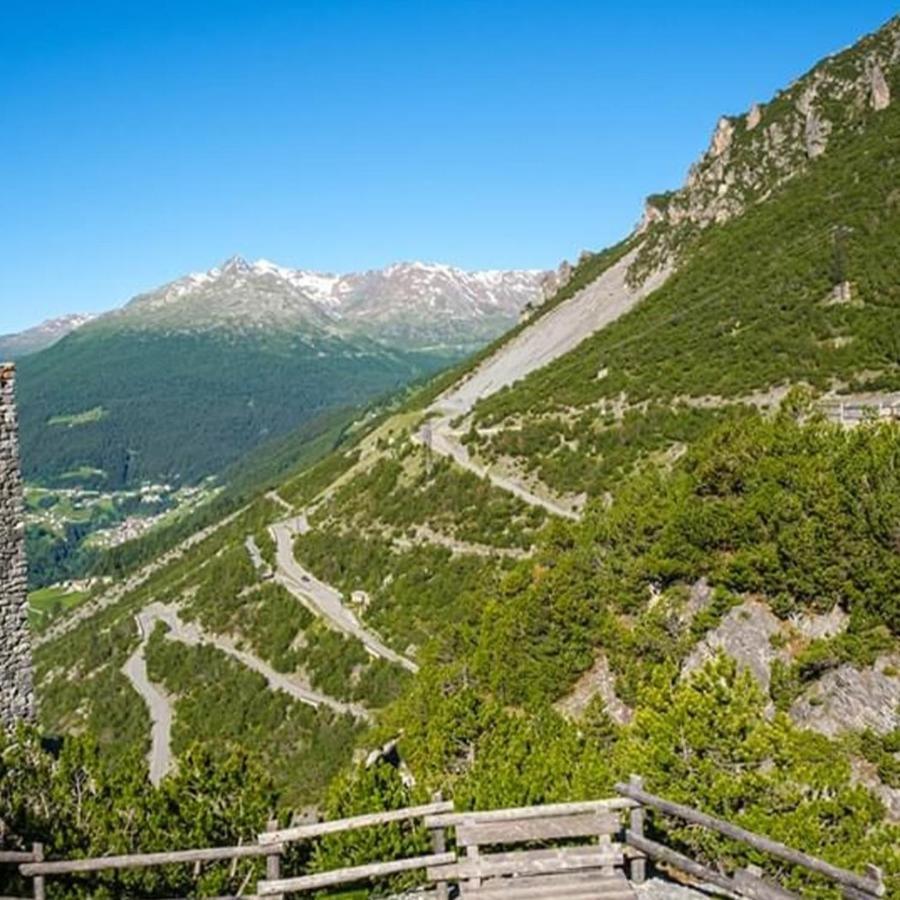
(407, 303)
(47, 333)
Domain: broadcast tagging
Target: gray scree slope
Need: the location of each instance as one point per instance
(16, 677)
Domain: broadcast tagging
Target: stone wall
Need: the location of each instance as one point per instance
(16, 684)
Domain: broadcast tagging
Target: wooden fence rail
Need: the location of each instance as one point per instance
(305, 832)
(147, 860)
(871, 885)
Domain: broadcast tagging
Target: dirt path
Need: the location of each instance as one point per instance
(425, 535)
(320, 598)
(852, 409)
(275, 497)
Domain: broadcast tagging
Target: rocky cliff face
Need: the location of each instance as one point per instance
(16, 691)
(751, 155)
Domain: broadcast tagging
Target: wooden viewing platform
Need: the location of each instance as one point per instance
(586, 850)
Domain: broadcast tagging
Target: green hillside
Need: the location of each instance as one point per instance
(721, 617)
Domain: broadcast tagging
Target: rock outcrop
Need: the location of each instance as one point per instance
(749, 156)
(598, 681)
(881, 92)
(848, 699)
(552, 282)
(745, 635)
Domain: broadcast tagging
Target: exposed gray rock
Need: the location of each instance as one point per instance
(881, 92)
(850, 699)
(815, 626)
(16, 676)
(839, 94)
(754, 116)
(551, 282)
(597, 681)
(816, 133)
(864, 773)
(745, 635)
(722, 137)
(699, 598)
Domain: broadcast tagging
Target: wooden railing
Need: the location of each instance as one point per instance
(278, 887)
(33, 865)
(747, 882)
(440, 819)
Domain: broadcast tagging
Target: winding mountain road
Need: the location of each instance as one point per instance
(193, 635)
(160, 705)
(320, 598)
(135, 670)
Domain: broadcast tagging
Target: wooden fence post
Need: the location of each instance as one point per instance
(439, 845)
(273, 860)
(40, 891)
(638, 866)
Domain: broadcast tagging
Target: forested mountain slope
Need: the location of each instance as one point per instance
(718, 609)
(184, 380)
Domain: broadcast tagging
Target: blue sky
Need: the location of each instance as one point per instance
(143, 140)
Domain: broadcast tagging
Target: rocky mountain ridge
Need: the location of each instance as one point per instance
(41, 336)
(753, 154)
(410, 304)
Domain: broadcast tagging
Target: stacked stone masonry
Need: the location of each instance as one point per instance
(16, 679)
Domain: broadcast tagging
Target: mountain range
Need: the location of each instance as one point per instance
(39, 337)
(412, 306)
(183, 380)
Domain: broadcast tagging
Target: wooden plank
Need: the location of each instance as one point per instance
(518, 832)
(758, 842)
(453, 819)
(439, 846)
(273, 860)
(875, 874)
(146, 860)
(528, 862)
(637, 866)
(567, 885)
(750, 883)
(351, 874)
(39, 884)
(680, 861)
(520, 892)
(16, 856)
(302, 832)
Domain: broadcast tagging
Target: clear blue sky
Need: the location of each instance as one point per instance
(143, 140)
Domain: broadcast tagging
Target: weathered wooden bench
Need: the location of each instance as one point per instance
(570, 851)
